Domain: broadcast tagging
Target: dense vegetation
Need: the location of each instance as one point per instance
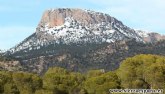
(3, 58)
(141, 71)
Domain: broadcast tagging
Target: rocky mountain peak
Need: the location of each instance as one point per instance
(56, 17)
(65, 25)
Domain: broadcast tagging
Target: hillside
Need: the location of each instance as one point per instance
(9, 64)
(85, 57)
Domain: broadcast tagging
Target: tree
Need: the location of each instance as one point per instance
(102, 83)
(4, 78)
(27, 83)
(94, 73)
(143, 71)
(11, 88)
(58, 79)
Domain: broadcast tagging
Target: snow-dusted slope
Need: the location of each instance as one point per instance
(150, 36)
(77, 26)
(142, 33)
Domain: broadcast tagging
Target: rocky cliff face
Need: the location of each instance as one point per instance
(56, 17)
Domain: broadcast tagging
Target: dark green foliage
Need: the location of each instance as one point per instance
(42, 91)
(27, 83)
(11, 88)
(94, 73)
(62, 80)
(5, 77)
(102, 83)
(19, 83)
(143, 71)
(5, 59)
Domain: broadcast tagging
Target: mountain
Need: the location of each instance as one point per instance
(76, 26)
(80, 40)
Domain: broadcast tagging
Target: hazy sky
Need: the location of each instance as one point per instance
(19, 18)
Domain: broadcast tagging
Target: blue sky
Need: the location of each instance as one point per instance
(19, 18)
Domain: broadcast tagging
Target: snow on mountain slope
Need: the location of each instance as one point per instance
(142, 33)
(150, 36)
(77, 26)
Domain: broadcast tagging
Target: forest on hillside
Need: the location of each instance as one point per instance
(82, 57)
(138, 72)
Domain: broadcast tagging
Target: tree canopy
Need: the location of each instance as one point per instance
(143, 71)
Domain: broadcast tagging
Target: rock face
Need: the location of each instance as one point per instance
(56, 17)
